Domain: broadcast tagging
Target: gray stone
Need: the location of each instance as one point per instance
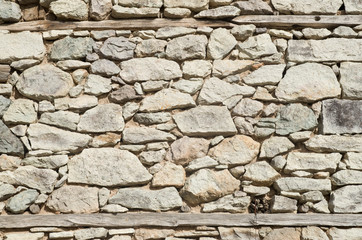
(90, 233)
(21, 236)
(341, 116)
(104, 67)
(352, 7)
(9, 143)
(260, 173)
(316, 33)
(43, 137)
(118, 48)
(300, 136)
(166, 99)
(351, 77)
(346, 177)
(280, 33)
(242, 32)
(99, 9)
(256, 47)
(188, 86)
(152, 86)
(332, 49)
(346, 200)
(187, 47)
(114, 208)
(97, 85)
(136, 135)
(297, 184)
(56, 34)
(344, 31)
(44, 82)
(80, 103)
(124, 94)
(193, 5)
(149, 69)
(40, 179)
(253, 7)
(237, 234)
(150, 47)
(243, 126)
(237, 150)
(221, 43)
(177, 12)
(21, 201)
(152, 118)
(295, 117)
(224, 68)
(344, 234)
(335, 143)
(229, 203)
(129, 109)
(196, 69)
(6, 191)
(206, 185)
(51, 162)
(63, 119)
(4, 105)
(61, 235)
(153, 200)
(170, 175)
(13, 48)
(219, 13)
(274, 146)
(307, 7)
(199, 163)
(124, 12)
(172, 32)
(152, 157)
(274, 74)
(72, 64)
(248, 108)
(353, 160)
(21, 111)
(74, 199)
(9, 11)
(256, 190)
(280, 204)
(71, 48)
(69, 9)
(312, 196)
(205, 121)
(6, 89)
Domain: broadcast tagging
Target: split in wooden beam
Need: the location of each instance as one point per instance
(172, 220)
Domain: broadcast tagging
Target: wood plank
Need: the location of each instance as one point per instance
(172, 220)
(4, 72)
(300, 20)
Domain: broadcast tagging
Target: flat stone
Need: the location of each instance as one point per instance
(72, 64)
(152, 157)
(332, 49)
(13, 47)
(199, 163)
(188, 86)
(346, 200)
(4, 105)
(152, 86)
(166, 99)
(80, 103)
(21, 201)
(99, 9)
(97, 85)
(136, 135)
(69, 9)
(312, 232)
(260, 173)
(104, 67)
(205, 121)
(297, 184)
(237, 150)
(193, 5)
(124, 94)
(256, 190)
(280, 204)
(196, 69)
(63, 119)
(248, 108)
(40, 179)
(344, 234)
(125, 12)
(145, 234)
(71, 48)
(172, 32)
(54, 139)
(6, 191)
(335, 143)
(100, 170)
(129, 110)
(344, 31)
(90, 233)
(353, 160)
(237, 234)
(221, 42)
(21, 111)
(257, 78)
(187, 47)
(21, 236)
(256, 47)
(51, 162)
(74, 199)
(153, 200)
(219, 13)
(114, 208)
(346, 177)
(9, 11)
(152, 118)
(274, 146)
(149, 69)
(177, 12)
(150, 47)
(224, 68)
(61, 235)
(283, 233)
(171, 175)
(9, 143)
(316, 33)
(118, 48)
(253, 7)
(353, 7)
(307, 7)
(351, 80)
(228, 203)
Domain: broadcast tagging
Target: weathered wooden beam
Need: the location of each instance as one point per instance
(172, 220)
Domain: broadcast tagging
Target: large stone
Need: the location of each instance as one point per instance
(118, 48)
(63, 119)
(40, 179)
(353, 6)
(238, 234)
(274, 146)
(21, 201)
(188, 86)
(74, 199)
(301, 185)
(150, 48)
(353, 160)
(185, 150)
(219, 13)
(107, 167)
(199, 163)
(332, 49)
(22, 236)
(308, 82)
(307, 6)
(136, 135)
(248, 108)
(9, 143)
(146, 69)
(229, 203)
(237, 150)
(99, 9)
(206, 185)
(335, 143)
(13, 46)
(71, 48)
(351, 78)
(196, 68)
(69, 9)
(171, 175)
(312, 162)
(347, 199)
(153, 200)
(9, 11)
(43, 137)
(283, 233)
(221, 43)
(125, 12)
(194, 5)
(166, 99)
(6, 191)
(124, 94)
(187, 47)
(295, 117)
(344, 234)
(104, 67)
(281, 204)
(51, 162)
(102, 118)
(254, 7)
(21, 111)
(341, 116)
(205, 121)
(224, 68)
(256, 47)
(274, 74)
(347, 177)
(313, 233)
(260, 173)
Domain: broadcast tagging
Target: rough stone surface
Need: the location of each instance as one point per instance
(21, 111)
(256, 47)
(274, 74)
(228, 203)
(312, 162)
(123, 12)
(21, 236)
(196, 68)
(21, 201)
(274, 146)
(353, 160)
(283, 233)
(346, 200)
(104, 67)
(171, 175)
(40, 179)
(9, 11)
(71, 48)
(224, 68)
(312, 232)
(118, 48)
(70, 10)
(187, 47)
(90, 233)
(297, 184)
(335, 143)
(221, 43)
(282, 204)
(353, 7)
(307, 7)
(219, 13)
(99, 9)
(194, 5)
(136, 135)
(253, 7)
(63, 119)
(346, 177)
(248, 108)
(97, 85)
(351, 77)
(9, 143)
(344, 234)
(238, 234)
(4, 105)
(260, 173)
(51, 162)
(150, 47)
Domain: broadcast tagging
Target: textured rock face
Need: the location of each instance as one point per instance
(195, 5)
(228, 203)
(255, 47)
(335, 143)
(107, 167)
(346, 200)
(297, 184)
(99, 9)
(73, 10)
(307, 7)
(118, 48)
(219, 13)
(21, 111)
(20, 202)
(9, 143)
(260, 173)
(9, 11)
(274, 146)
(221, 43)
(312, 162)
(351, 77)
(136, 135)
(40, 179)
(71, 48)
(274, 74)
(187, 47)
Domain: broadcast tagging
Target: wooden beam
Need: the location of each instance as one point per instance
(172, 220)
(324, 21)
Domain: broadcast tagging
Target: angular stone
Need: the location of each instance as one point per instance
(188, 86)
(224, 68)
(221, 43)
(124, 94)
(170, 175)
(205, 121)
(141, 3)
(54, 139)
(97, 85)
(72, 64)
(260, 173)
(187, 47)
(196, 69)
(353, 160)
(256, 190)
(13, 47)
(153, 200)
(118, 48)
(242, 32)
(63, 119)
(248, 108)
(308, 82)
(346, 200)
(307, 7)
(90, 233)
(238, 150)
(4, 105)
(313, 33)
(152, 118)
(343, 31)
(9, 143)
(149, 69)
(21, 111)
(275, 146)
(328, 50)
(152, 157)
(283, 233)
(344, 234)
(41, 179)
(351, 77)
(51, 162)
(104, 67)
(256, 47)
(199, 163)
(237, 234)
(297, 184)
(69, 9)
(74, 199)
(71, 48)
(172, 32)
(124, 12)
(219, 13)
(9, 11)
(347, 177)
(253, 7)
(194, 5)
(21, 201)
(6, 191)
(335, 143)
(312, 233)
(274, 74)
(150, 47)
(353, 7)
(280, 204)
(99, 9)
(136, 135)
(177, 12)
(229, 203)
(22, 236)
